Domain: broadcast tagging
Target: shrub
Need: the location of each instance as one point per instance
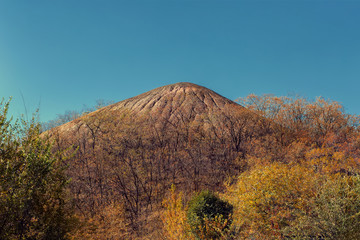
(33, 200)
(208, 216)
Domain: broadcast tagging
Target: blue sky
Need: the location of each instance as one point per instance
(64, 54)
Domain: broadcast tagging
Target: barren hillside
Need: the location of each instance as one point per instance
(171, 103)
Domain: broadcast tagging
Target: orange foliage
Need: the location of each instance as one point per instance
(329, 161)
(320, 121)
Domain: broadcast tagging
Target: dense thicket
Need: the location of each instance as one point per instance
(135, 160)
(287, 149)
(301, 181)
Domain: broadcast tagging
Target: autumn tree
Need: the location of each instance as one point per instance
(269, 199)
(174, 217)
(315, 121)
(334, 212)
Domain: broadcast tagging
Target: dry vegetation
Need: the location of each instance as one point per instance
(283, 163)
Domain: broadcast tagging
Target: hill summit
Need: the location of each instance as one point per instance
(186, 98)
(167, 103)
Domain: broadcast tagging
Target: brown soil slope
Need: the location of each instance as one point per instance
(171, 103)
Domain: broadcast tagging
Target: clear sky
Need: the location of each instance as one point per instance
(66, 53)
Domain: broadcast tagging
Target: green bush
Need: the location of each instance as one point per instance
(33, 201)
(208, 216)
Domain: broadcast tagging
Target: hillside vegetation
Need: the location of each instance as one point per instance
(34, 203)
(183, 162)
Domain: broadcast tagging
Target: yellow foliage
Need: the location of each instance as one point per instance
(174, 217)
(329, 161)
(216, 225)
(269, 198)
